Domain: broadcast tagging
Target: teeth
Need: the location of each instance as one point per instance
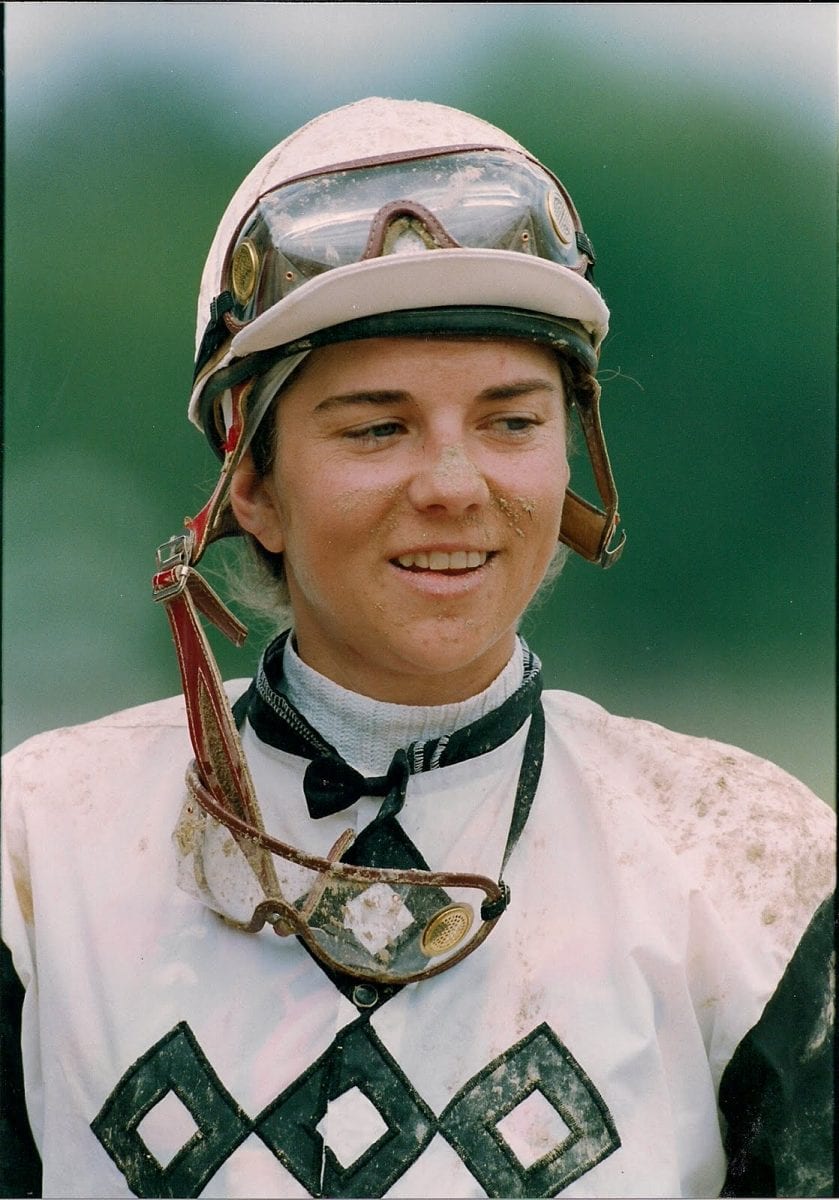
(439, 560)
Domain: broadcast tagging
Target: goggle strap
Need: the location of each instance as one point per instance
(491, 910)
(215, 740)
(531, 769)
(585, 246)
(216, 330)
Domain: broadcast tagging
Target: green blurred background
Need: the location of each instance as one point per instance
(698, 141)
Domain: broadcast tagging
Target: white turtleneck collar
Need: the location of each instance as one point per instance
(366, 732)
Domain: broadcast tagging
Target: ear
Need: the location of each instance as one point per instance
(255, 505)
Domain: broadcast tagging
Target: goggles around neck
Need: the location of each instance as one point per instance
(388, 925)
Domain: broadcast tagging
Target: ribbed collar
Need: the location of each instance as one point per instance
(366, 732)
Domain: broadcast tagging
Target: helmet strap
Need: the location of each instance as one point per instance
(585, 528)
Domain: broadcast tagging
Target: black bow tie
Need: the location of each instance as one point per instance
(331, 784)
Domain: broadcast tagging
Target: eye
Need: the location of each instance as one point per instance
(378, 432)
(516, 424)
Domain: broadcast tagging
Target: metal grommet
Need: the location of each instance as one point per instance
(365, 995)
(446, 929)
(243, 271)
(561, 218)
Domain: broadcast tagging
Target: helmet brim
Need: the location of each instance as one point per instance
(446, 277)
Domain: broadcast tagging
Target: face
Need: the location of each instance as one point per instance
(416, 496)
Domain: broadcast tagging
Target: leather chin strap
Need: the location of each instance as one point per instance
(585, 528)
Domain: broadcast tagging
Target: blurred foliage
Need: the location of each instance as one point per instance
(715, 229)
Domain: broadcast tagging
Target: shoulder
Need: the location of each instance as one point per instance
(687, 777)
(69, 759)
(741, 831)
(44, 751)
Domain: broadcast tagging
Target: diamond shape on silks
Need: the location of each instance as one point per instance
(176, 1064)
(357, 1059)
(533, 1129)
(474, 1122)
(376, 917)
(359, 1124)
(167, 1128)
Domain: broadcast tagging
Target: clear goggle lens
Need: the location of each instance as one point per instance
(387, 925)
(479, 199)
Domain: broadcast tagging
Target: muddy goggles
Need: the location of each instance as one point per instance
(388, 925)
(463, 198)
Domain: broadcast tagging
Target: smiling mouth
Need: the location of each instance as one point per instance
(440, 560)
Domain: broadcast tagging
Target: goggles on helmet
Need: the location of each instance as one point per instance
(426, 229)
(459, 241)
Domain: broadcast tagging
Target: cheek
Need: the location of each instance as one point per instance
(331, 527)
(534, 510)
(346, 509)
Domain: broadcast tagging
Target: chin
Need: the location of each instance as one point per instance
(450, 651)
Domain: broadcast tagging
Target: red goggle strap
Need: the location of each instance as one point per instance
(219, 757)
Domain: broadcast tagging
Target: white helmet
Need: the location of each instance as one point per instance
(396, 218)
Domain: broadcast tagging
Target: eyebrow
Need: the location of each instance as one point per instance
(503, 391)
(348, 398)
(522, 387)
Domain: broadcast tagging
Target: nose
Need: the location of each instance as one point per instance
(447, 479)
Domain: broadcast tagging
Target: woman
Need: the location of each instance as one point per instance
(422, 929)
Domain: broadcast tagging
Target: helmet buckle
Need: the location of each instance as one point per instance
(173, 559)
